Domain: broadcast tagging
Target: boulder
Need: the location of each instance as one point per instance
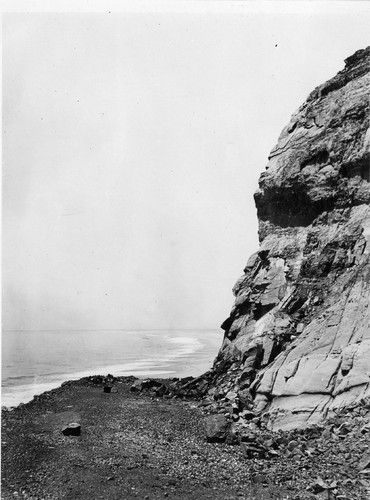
(149, 383)
(161, 390)
(140, 385)
(253, 450)
(136, 386)
(216, 427)
(72, 429)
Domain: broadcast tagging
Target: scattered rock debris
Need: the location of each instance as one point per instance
(139, 445)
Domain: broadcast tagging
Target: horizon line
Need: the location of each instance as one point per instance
(108, 329)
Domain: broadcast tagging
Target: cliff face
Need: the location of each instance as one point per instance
(297, 342)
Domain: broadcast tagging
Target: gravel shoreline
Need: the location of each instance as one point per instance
(136, 445)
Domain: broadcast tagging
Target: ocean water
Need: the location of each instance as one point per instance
(37, 361)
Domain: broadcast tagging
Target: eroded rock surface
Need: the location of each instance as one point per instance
(297, 342)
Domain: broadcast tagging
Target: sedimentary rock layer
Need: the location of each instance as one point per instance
(297, 342)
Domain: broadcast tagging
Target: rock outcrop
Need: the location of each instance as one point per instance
(297, 342)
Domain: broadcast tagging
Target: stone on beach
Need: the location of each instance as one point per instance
(136, 386)
(217, 427)
(149, 383)
(72, 429)
(161, 390)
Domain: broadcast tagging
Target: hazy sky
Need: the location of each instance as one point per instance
(133, 143)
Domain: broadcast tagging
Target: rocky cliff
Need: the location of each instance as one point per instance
(297, 341)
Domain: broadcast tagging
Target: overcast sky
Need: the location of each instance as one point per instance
(133, 143)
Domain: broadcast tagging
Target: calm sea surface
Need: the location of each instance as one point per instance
(36, 361)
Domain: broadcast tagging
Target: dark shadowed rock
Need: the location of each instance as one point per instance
(161, 390)
(150, 383)
(136, 386)
(147, 384)
(72, 429)
(255, 450)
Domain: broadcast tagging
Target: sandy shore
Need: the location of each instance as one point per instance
(133, 445)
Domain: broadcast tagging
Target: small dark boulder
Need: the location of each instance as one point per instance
(161, 390)
(250, 450)
(231, 438)
(217, 427)
(107, 388)
(149, 383)
(72, 429)
(136, 386)
(259, 479)
(202, 387)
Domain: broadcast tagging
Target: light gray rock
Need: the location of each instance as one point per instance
(298, 335)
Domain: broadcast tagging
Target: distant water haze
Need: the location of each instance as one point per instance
(36, 361)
